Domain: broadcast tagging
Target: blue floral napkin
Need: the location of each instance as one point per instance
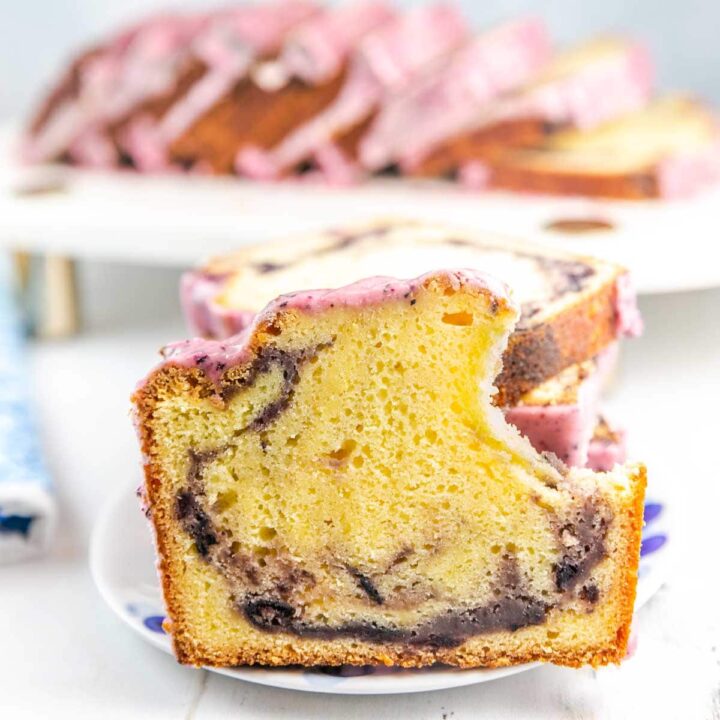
(27, 506)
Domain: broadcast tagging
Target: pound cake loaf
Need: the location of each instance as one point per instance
(335, 486)
(669, 149)
(218, 99)
(572, 307)
(290, 88)
(128, 100)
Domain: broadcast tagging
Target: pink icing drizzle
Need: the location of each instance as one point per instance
(451, 95)
(566, 430)
(384, 60)
(628, 319)
(203, 314)
(603, 455)
(681, 175)
(597, 92)
(228, 46)
(317, 50)
(116, 83)
(215, 357)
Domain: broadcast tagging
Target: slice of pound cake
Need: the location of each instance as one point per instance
(572, 307)
(335, 486)
(669, 149)
(580, 87)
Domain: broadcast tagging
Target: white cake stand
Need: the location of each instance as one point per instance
(177, 220)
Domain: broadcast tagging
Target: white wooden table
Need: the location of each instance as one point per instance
(64, 655)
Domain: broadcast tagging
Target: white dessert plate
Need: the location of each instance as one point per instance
(177, 220)
(123, 566)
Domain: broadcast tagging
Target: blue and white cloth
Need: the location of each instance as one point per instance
(27, 505)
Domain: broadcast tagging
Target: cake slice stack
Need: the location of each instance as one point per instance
(335, 486)
(574, 310)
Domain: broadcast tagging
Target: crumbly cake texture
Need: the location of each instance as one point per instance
(669, 149)
(334, 486)
(572, 307)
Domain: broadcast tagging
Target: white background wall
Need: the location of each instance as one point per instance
(37, 35)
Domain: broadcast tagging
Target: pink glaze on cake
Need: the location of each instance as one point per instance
(97, 74)
(205, 316)
(605, 453)
(215, 357)
(563, 430)
(148, 68)
(228, 46)
(383, 62)
(600, 91)
(681, 176)
(567, 429)
(451, 96)
(475, 175)
(318, 49)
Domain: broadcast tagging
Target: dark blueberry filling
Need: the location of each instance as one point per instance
(195, 522)
(590, 593)
(267, 359)
(583, 542)
(513, 611)
(268, 606)
(367, 585)
(269, 614)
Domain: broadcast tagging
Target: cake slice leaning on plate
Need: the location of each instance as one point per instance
(335, 486)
